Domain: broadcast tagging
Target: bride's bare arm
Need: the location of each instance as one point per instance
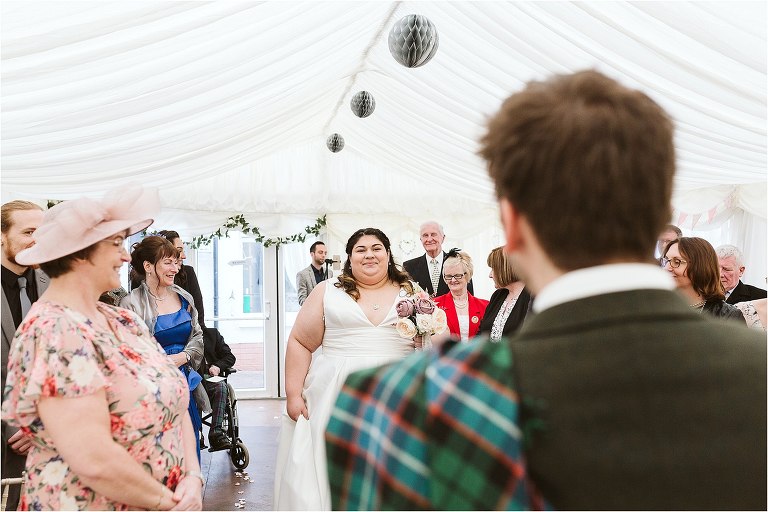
(306, 336)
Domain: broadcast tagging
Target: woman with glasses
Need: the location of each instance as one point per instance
(509, 303)
(692, 262)
(170, 313)
(103, 406)
(463, 311)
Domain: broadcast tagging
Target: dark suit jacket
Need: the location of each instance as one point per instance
(193, 287)
(476, 311)
(12, 463)
(633, 401)
(515, 318)
(419, 271)
(744, 292)
(217, 352)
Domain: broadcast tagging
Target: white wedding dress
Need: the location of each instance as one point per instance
(351, 342)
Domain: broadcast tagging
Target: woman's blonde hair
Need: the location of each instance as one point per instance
(456, 256)
(504, 271)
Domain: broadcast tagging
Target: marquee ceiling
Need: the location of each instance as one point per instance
(227, 105)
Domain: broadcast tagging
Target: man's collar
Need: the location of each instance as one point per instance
(11, 277)
(439, 257)
(599, 280)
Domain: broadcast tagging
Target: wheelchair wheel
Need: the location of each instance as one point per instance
(239, 455)
(231, 394)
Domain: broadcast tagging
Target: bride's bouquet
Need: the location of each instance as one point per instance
(419, 317)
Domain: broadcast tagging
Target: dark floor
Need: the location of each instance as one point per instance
(259, 429)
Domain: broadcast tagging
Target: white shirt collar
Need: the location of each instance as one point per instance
(439, 259)
(602, 279)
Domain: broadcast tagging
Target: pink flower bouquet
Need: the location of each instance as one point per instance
(419, 318)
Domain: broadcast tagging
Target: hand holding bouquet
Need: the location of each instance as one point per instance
(419, 319)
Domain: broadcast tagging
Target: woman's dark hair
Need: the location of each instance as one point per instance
(61, 266)
(181, 275)
(396, 275)
(703, 268)
(151, 249)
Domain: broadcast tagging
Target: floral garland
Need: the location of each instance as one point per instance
(238, 222)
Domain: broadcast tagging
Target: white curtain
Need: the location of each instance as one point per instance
(226, 106)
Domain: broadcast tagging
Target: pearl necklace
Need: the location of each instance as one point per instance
(698, 304)
(460, 305)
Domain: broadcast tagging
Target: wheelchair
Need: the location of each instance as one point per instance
(238, 452)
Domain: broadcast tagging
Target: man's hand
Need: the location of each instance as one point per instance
(20, 443)
(214, 370)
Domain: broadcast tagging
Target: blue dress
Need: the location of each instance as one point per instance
(172, 331)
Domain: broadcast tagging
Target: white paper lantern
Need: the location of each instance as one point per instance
(413, 40)
(362, 104)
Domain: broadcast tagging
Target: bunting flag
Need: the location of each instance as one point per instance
(695, 220)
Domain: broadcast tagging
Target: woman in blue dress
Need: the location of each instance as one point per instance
(170, 314)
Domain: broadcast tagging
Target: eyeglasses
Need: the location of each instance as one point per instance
(674, 262)
(457, 277)
(118, 241)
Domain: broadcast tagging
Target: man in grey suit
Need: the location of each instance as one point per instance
(21, 287)
(307, 279)
(615, 394)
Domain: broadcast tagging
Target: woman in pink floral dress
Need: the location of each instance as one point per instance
(105, 408)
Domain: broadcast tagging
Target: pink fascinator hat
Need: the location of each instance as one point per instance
(74, 225)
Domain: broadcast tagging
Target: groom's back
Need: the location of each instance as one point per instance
(662, 409)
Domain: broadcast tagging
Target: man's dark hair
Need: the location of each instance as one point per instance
(314, 245)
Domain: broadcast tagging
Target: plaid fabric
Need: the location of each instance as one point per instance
(431, 432)
(217, 393)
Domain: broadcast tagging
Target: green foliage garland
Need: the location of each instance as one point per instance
(239, 223)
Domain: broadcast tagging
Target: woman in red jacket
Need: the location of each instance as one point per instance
(463, 311)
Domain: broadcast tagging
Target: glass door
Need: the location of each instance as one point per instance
(237, 280)
(249, 293)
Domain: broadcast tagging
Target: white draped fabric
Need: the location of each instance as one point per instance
(226, 106)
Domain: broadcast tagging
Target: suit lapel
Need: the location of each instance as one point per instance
(7, 324)
(474, 312)
(450, 314)
(42, 282)
(737, 295)
(422, 274)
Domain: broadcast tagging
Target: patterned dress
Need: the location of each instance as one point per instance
(58, 352)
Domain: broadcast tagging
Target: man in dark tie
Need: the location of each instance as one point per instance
(615, 394)
(427, 270)
(731, 269)
(21, 287)
(308, 278)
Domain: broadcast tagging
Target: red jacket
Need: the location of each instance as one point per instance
(476, 312)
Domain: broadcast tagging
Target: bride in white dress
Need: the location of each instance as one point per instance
(352, 318)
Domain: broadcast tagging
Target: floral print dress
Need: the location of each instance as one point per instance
(58, 352)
